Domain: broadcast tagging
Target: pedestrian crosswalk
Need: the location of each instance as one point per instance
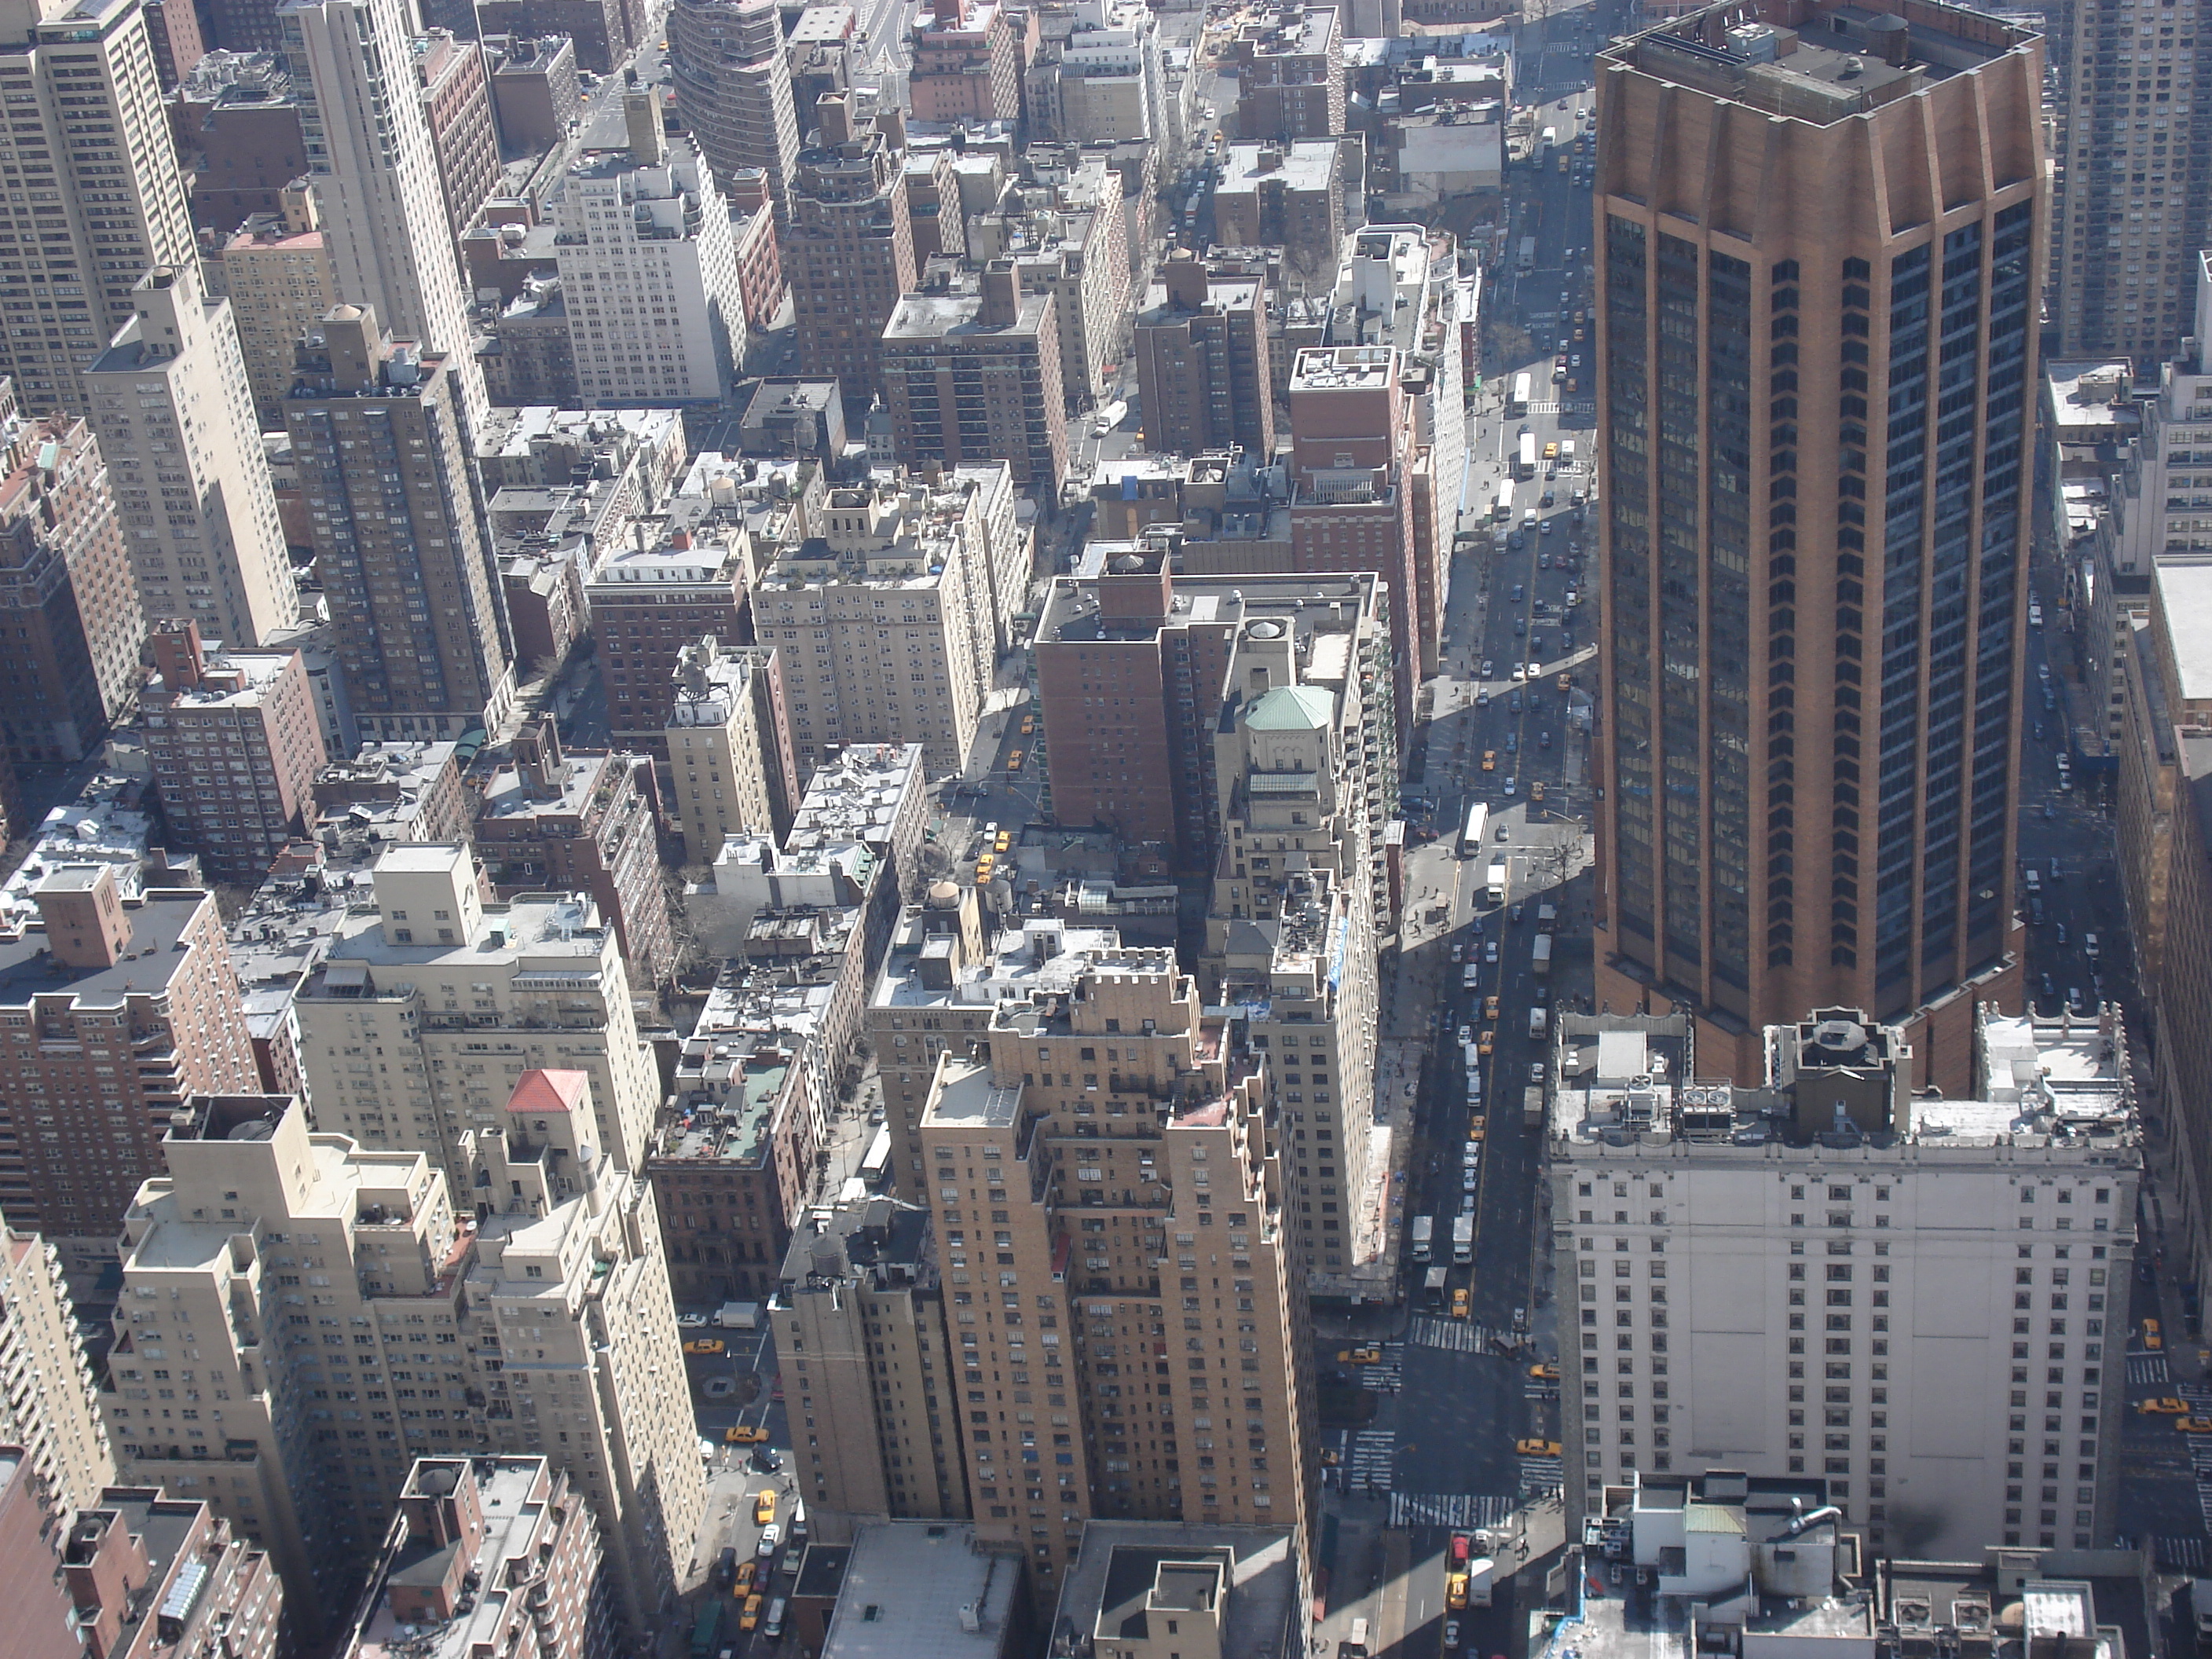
(1456, 1334)
(1371, 1465)
(1542, 1474)
(1464, 1509)
(1385, 1375)
(2147, 1369)
(2181, 1554)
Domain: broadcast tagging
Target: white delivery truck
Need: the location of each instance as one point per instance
(739, 1316)
(1425, 1230)
(1463, 1239)
(1495, 885)
(1539, 1023)
(1540, 957)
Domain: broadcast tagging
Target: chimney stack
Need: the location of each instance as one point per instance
(178, 657)
(1186, 280)
(86, 924)
(648, 142)
(1002, 296)
(1271, 158)
(835, 112)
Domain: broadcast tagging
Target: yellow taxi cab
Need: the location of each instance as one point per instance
(1455, 1591)
(750, 1618)
(1490, 760)
(740, 1434)
(984, 866)
(1551, 452)
(1490, 1007)
(1014, 761)
(1537, 1447)
(1535, 789)
(1460, 1304)
(1005, 843)
(1567, 682)
(1329, 1459)
(763, 1509)
(746, 1569)
(2152, 1339)
(2166, 1406)
(1543, 1371)
(1029, 725)
(1477, 1129)
(1359, 1356)
(1486, 1044)
(2193, 1424)
(704, 1345)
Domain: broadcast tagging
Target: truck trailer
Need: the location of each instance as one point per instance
(1425, 1231)
(1463, 1239)
(1540, 957)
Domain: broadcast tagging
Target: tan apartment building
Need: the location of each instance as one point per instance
(861, 1307)
(1127, 1319)
(574, 1334)
(1730, 879)
(463, 997)
(290, 1432)
(733, 91)
(103, 207)
(276, 274)
(448, 1343)
(886, 622)
(732, 766)
(170, 401)
(48, 1408)
(112, 1010)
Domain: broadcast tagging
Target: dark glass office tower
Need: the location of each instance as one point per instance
(1819, 241)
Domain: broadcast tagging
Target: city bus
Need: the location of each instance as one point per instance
(1526, 466)
(1517, 404)
(1478, 821)
(1501, 511)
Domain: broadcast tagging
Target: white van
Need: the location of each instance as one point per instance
(773, 1627)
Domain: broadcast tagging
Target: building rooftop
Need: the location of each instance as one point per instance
(557, 933)
(1309, 605)
(150, 959)
(2063, 1084)
(877, 1239)
(1033, 957)
(1126, 1569)
(853, 797)
(1841, 60)
(2184, 594)
(957, 315)
(966, 1095)
(512, 1493)
(921, 1589)
(1771, 1560)
(1306, 164)
(105, 823)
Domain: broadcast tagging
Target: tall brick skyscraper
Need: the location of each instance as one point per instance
(1820, 236)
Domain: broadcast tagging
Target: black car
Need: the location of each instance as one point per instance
(725, 1568)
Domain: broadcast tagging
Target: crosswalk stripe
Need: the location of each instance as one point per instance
(2146, 1369)
(1457, 1335)
(1425, 1508)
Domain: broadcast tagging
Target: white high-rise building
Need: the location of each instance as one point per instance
(170, 402)
(429, 1007)
(87, 168)
(649, 263)
(1923, 1301)
(375, 175)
